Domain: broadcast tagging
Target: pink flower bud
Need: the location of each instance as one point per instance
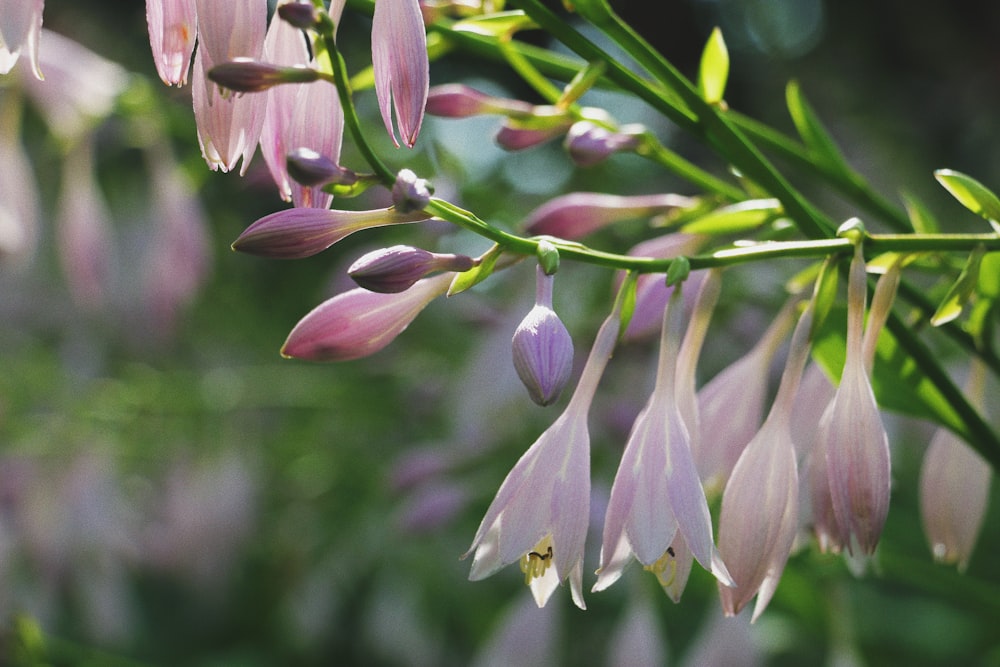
(302, 15)
(301, 232)
(544, 124)
(396, 269)
(410, 193)
(358, 323)
(246, 75)
(456, 100)
(543, 348)
(577, 214)
(309, 168)
(589, 144)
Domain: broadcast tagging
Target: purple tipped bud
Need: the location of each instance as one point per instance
(309, 168)
(246, 75)
(410, 193)
(396, 269)
(299, 14)
(455, 100)
(543, 348)
(545, 124)
(589, 144)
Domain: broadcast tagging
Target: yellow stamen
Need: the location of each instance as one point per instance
(666, 565)
(535, 563)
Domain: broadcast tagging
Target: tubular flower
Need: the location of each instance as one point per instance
(955, 488)
(543, 348)
(229, 126)
(578, 214)
(172, 30)
(657, 494)
(291, 122)
(402, 70)
(396, 269)
(853, 439)
(358, 323)
(20, 29)
(759, 517)
(731, 405)
(302, 232)
(540, 514)
(456, 100)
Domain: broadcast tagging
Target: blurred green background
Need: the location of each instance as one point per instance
(180, 495)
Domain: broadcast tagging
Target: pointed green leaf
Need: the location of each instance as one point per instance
(972, 194)
(735, 218)
(989, 276)
(476, 274)
(921, 218)
(897, 381)
(814, 135)
(824, 293)
(499, 24)
(960, 292)
(714, 70)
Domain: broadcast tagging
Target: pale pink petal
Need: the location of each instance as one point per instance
(20, 30)
(172, 30)
(402, 72)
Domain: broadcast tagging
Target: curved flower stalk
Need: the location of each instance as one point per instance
(543, 348)
(759, 517)
(657, 494)
(731, 405)
(575, 215)
(358, 323)
(540, 514)
(853, 439)
(299, 116)
(955, 487)
(296, 233)
(402, 69)
(173, 26)
(20, 30)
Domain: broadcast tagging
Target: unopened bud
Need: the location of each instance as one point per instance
(299, 14)
(545, 123)
(589, 144)
(396, 269)
(246, 75)
(455, 100)
(410, 193)
(543, 348)
(309, 168)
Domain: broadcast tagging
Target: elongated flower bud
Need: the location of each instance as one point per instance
(456, 100)
(543, 348)
(309, 168)
(396, 269)
(588, 143)
(573, 216)
(543, 125)
(246, 75)
(301, 232)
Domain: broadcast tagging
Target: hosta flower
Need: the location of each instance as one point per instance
(759, 517)
(299, 117)
(540, 514)
(301, 232)
(20, 30)
(19, 200)
(172, 30)
(456, 100)
(955, 488)
(543, 348)
(402, 71)
(229, 125)
(358, 323)
(575, 215)
(853, 439)
(395, 269)
(588, 143)
(544, 124)
(657, 494)
(731, 405)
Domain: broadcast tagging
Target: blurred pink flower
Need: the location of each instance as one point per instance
(358, 323)
(541, 513)
(402, 71)
(19, 204)
(955, 487)
(577, 214)
(20, 30)
(173, 27)
(657, 493)
(456, 100)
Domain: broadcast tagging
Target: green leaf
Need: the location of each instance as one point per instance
(989, 276)
(478, 273)
(714, 70)
(814, 135)
(500, 24)
(824, 293)
(735, 218)
(921, 218)
(897, 381)
(972, 194)
(961, 291)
